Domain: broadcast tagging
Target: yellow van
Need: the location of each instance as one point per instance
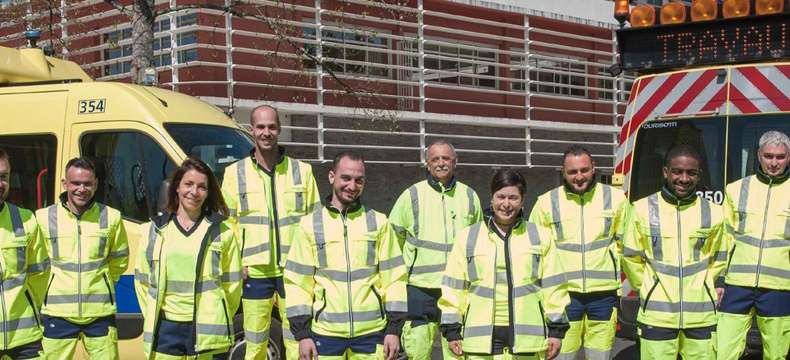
(52, 111)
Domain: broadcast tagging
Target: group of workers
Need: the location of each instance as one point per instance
(352, 283)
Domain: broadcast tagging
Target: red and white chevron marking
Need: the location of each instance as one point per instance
(750, 89)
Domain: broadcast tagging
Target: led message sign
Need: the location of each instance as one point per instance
(724, 41)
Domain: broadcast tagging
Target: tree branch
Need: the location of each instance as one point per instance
(119, 7)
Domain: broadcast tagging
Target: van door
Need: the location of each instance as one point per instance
(132, 163)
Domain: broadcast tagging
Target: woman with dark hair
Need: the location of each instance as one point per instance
(503, 292)
(188, 273)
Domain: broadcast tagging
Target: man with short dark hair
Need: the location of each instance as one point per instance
(757, 281)
(427, 217)
(87, 244)
(267, 193)
(586, 221)
(24, 274)
(673, 252)
(345, 277)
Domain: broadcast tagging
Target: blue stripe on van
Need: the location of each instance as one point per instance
(125, 297)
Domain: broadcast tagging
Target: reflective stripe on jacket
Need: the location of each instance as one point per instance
(25, 270)
(537, 286)
(88, 255)
(266, 205)
(345, 274)
(587, 231)
(673, 252)
(758, 212)
(217, 291)
(427, 218)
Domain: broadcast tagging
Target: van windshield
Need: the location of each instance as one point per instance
(745, 132)
(218, 146)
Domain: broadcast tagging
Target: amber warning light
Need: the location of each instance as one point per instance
(723, 41)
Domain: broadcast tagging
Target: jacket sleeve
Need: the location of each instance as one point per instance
(539, 216)
(633, 249)
(554, 289)
(478, 211)
(392, 279)
(299, 278)
(401, 218)
(719, 240)
(455, 290)
(142, 271)
(119, 250)
(731, 219)
(312, 195)
(230, 191)
(38, 268)
(231, 266)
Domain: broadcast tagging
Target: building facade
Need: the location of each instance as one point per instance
(509, 82)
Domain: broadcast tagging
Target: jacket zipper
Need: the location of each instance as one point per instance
(227, 318)
(5, 314)
(707, 292)
(49, 284)
(680, 263)
(413, 262)
(614, 265)
(275, 221)
(493, 298)
(79, 268)
(444, 222)
(318, 313)
(511, 297)
(543, 320)
(650, 293)
(32, 306)
(762, 235)
(381, 304)
(109, 288)
(584, 248)
(348, 273)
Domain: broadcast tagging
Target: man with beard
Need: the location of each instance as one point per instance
(758, 275)
(427, 217)
(25, 273)
(586, 223)
(345, 278)
(266, 194)
(673, 253)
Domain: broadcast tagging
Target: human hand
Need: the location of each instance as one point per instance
(456, 346)
(391, 346)
(554, 348)
(307, 349)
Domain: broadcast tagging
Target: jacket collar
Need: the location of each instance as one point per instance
(489, 219)
(671, 198)
(355, 206)
(768, 179)
(590, 188)
(2, 205)
(280, 159)
(64, 199)
(161, 220)
(438, 186)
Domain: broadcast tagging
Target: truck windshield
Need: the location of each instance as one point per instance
(655, 139)
(745, 132)
(218, 146)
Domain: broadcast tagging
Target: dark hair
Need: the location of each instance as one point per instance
(4, 156)
(81, 163)
(351, 155)
(682, 150)
(214, 203)
(508, 177)
(272, 108)
(576, 150)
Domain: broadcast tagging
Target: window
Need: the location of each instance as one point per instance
(117, 51)
(186, 20)
(162, 25)
(187, 56)
(557, 77)
(161, 43)
(218, 146)
(350, 51)
(162, 60)
(744, 134)
(605, 87)
(32, 169)
(450, 63)
(131, 168)
(186, 38)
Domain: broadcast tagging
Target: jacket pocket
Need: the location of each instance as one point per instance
(650, 293)
(46, 294)
(543, 320)
(323, 306)
(109, 288)
(712, 301)
(614, 265)
(378, 297)
(227, 318)
(30, 301)
(414, 261)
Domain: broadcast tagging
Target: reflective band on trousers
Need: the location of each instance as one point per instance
(320, 237)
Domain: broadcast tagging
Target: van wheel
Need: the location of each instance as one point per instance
(275, 350)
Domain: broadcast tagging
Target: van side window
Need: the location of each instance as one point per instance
(32, 163)
(131, 168)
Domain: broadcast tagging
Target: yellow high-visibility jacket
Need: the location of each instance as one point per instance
(427, 217)
(587, 232)
(88, 253)
(674, 249)
(266, 205)
(757, 211)
(345, 275)
(536, 284)
(23, 275)
(217, 289)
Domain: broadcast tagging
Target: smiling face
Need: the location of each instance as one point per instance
(682, 175)
(578, 171)
(348, 180)
(5, 179)
(773, 159)
(441, 161)
(80, 186)
(192, 191)
(265, 129)
(506, 204)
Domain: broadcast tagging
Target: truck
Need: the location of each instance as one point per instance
(714, 75)
(135, 135)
